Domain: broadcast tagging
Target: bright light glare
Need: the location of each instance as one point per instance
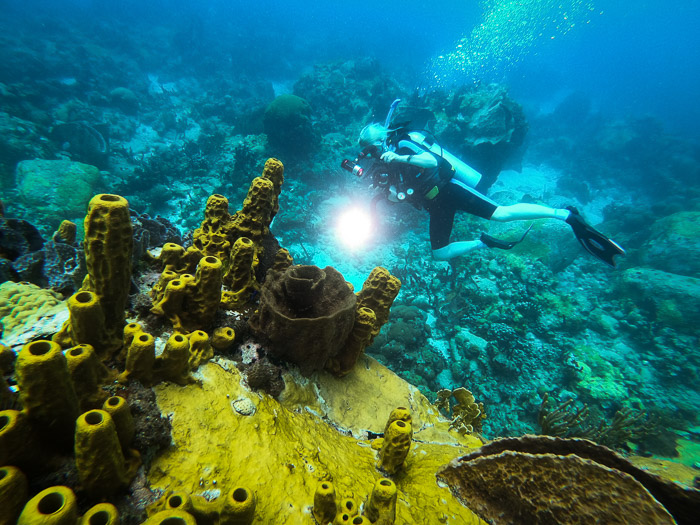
(354, 228)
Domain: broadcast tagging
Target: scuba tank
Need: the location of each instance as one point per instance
(463, 172)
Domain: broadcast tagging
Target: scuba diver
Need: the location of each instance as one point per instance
(410, 166)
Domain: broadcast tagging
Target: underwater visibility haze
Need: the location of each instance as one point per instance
(284, 261)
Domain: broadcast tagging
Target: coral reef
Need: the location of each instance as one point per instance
(57, 188)
(288, 126)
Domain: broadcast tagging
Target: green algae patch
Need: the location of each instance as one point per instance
(225, 435)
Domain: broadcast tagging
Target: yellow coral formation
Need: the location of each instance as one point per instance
(290, 447)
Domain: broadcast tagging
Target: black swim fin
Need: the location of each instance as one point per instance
(492, 242)
(592, 240)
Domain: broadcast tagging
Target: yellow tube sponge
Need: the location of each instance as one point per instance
(238, 507)
(207, 294)
(87, 373)
(102, 514)
(140, 358)
(399, 414)
(158, 289)
(14, 493)
(222, 338)
(397, 442)
(171, 517)
(211, 238)
(118, 409)
(253, 219)
(274, 171)
(52, 506)
(325, 506)
(18, 444)
(200, 349)
(86, 324)
(191, 302)
(46, 390)
(240, 277)
(175, 258)
(381, 507)
(378, 293)
(171, 304)
(348, 506)
(98, 454)
(108, 249)
(355, 344)
(172, 364)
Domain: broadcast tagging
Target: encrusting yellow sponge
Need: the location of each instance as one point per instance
(46, 390)
(381, 507)
(13, 494)
(52, 506)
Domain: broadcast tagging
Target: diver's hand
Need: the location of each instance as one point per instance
(390, 157)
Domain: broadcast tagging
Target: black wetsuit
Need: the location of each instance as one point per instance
(439, 191)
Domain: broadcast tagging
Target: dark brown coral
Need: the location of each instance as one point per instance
(542, 479)
(307, 314)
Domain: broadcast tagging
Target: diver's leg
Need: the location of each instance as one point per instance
(455, 249)
(525, 211)
(442, 216)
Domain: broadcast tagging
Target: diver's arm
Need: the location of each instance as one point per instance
(420, 160)
(455, 249)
